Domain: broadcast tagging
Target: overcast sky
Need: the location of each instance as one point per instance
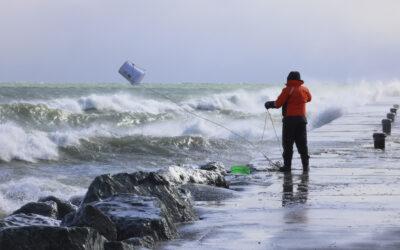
(199, 40)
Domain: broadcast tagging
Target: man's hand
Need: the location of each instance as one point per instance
(270, 105)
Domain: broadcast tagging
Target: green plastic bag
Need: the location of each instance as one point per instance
(240, 169)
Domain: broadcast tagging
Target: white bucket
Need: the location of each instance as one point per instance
(132, 73)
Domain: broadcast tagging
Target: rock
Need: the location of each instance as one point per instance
(138, 216)
(202, 192)
(140, 183)
(48, 209)
(90, 216)
(67, 220)
(180, 175)
(215, 166)
(45, 237)
(17, 220)
(63, 207)
(118, 245)
(146, 241)
(76, 200)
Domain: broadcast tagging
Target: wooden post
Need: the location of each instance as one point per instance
(379, 140)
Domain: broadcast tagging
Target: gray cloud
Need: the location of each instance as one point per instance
(198, 40)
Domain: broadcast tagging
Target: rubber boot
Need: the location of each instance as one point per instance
(287, 165)
(305, 161)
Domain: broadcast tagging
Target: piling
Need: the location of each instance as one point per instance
(386, 126)
(379, 140)
(390, 116)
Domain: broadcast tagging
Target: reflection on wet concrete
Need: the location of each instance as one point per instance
(289, 198)
(293, 200)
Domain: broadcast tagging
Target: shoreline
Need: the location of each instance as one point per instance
(118, 211)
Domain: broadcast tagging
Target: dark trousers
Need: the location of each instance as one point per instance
(295, 131)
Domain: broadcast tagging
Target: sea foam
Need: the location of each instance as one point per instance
(23, 145)
(15, 193)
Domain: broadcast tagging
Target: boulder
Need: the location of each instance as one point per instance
(180, 175)
(76, 200)
(146, 241)
(178, 207)
(48, 209)
(67, 220)
(90, 216)
(201, 192)
(45, 237)
(138, 216)
(17, 220)
(118, 245)
(64, 207)
(215, 166)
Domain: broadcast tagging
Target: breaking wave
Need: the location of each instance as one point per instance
(43, 117)
(15, 193)
(117, 102)
(87, 126)
(331, 101)
(240, 101)
(93, 143)
(18, 144)
(326, 116)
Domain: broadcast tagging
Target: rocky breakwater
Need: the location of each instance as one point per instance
(121, 211)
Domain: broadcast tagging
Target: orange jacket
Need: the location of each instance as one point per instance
(295, 95)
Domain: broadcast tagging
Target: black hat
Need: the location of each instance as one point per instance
(294, 75)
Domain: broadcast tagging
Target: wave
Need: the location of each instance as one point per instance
(104, 148)
(18, 144)
(125, 103)
(15, 193)
(93, 143)
(118, 102)
(239, 100)
(85, 126)
(331, 101)
(57, 109)
(43, 117)
(326, 116)
(31, 114)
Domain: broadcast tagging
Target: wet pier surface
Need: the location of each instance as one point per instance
(349, 200)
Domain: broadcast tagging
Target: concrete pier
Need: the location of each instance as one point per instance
(348, 200)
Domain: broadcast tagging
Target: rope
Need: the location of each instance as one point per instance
(213, 122)
(265, 125)
(276, 134)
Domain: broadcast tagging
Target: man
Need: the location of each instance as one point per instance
(293, 101)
